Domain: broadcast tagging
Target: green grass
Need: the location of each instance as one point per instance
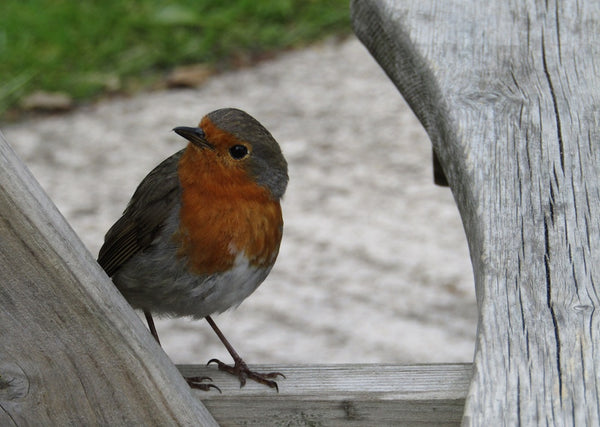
(87, 47)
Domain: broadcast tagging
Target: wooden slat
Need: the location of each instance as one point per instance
(340, 395)
(509, 92)
(72, 351)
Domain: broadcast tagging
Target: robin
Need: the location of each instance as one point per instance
(203, 229)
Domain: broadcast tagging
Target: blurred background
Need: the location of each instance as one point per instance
(374, 265)
(84, 50)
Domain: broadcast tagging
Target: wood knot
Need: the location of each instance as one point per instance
(14, 384)
(350, 410)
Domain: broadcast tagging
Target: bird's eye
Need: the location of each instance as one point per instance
(238, 151)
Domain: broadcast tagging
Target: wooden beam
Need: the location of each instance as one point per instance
(340, 395)
(509, 92)
(72, 351)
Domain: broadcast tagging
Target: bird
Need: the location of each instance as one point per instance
(203, 229)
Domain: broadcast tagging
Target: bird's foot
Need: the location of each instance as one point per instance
(241, 370)
(198, 383)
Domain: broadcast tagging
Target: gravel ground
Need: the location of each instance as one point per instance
(374, 265)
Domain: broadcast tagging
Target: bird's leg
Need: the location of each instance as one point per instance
(151, 326)
(193, 382)
(240, 369)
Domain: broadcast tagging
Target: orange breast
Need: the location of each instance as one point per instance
(224, 213)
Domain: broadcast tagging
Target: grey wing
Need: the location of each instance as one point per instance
(152, 201)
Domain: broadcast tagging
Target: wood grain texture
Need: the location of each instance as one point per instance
(72, 352)
(509, 94)
(340, 395)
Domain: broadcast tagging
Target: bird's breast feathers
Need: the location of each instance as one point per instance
(224, 215)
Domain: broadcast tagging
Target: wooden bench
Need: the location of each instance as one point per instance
(508, 94)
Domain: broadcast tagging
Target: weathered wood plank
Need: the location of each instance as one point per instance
(72, 351)
(509, 92)
(341, 395)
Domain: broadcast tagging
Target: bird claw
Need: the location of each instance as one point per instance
(241, 370)
(197, 383)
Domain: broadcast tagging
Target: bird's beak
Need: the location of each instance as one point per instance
(195, 135)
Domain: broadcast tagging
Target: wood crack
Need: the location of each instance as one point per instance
(551, 305)
(555, 106)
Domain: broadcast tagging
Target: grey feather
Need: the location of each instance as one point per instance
(153, 200)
